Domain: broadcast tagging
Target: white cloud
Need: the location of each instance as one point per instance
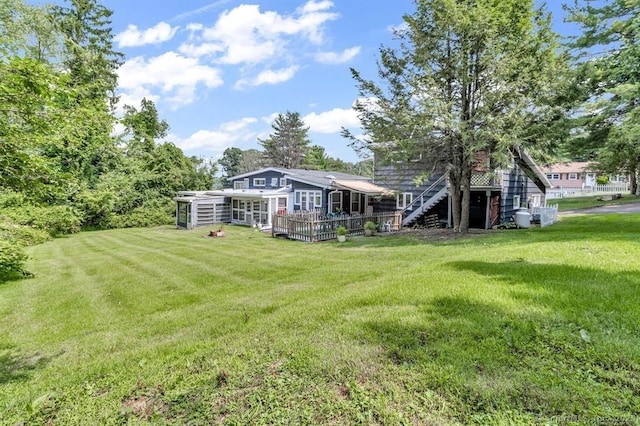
(190, 49)
(315, 6)
(248, 35)
(132, 36)
(332, 121)
(217, 140)
(338, 58)
(269, 119)
(269, 77)
(173, 74)
(133, 98)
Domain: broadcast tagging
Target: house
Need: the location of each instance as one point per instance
(255, 197)
(570, 175)
(495, 195)
(578, 175)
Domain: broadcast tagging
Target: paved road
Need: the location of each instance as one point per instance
(619, 208)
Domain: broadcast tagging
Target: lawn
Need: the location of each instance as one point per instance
(573, 203)
(531, 326)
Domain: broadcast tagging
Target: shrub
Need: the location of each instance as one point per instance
(24, 235)
(369, 225)
(56, 220)
(142, 217)
(12, 258)
(341, 230)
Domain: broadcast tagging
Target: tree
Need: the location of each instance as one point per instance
(230, 163)
(317, 159)
(607, 57)
(467, 77)
(287, 145)
(252, 159)
(89, 56)
(144, 126)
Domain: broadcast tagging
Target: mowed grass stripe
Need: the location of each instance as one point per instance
(502, 329)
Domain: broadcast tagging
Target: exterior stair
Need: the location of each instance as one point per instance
(425, 201)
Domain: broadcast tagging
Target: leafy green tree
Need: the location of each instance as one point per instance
(288, 144)
(143, 126)
(252, 159)
(608, 56)
(230, 163)
(467, 77)
(88, 150)
(28, 93)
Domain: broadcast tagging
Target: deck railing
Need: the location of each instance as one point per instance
(315, 226)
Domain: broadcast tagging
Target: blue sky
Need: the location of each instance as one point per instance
(219, 71)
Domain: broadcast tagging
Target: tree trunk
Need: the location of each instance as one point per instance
(466, 202)
(633, 184)
(454, 189)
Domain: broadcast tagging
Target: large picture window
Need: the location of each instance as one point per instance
(308, 200)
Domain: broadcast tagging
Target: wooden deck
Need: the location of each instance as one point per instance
(315, 226)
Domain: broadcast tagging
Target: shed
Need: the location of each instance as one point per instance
(201, 208)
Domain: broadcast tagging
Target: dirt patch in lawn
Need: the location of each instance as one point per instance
(442, 234)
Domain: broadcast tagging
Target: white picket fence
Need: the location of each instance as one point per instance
(610, 188)
(548, 215)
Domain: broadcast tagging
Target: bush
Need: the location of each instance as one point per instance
(24, 235)
(56, 220)
(12, 258)
(142, 217)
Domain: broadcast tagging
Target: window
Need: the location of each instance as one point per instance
(516, 202)
(355, 202)
(403, 200)
(573, 176)
(259, 182)
(274, 182)
(553, 176)
(238, 210)
(308, 200)
(283, 182)
(238, 184)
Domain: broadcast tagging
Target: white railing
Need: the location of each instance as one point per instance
(420, 198)
(610, 188)
(548, 215)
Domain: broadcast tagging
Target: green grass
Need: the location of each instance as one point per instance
(534, 326)
(573, 203)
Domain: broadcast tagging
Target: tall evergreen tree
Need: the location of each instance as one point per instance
(467, 77)
(288, 144)
(88, 37)
(608, 55)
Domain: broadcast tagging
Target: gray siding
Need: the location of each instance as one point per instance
(401, 177)
(269, 177)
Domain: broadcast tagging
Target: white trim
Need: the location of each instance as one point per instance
(256, 180)
(403, 199)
